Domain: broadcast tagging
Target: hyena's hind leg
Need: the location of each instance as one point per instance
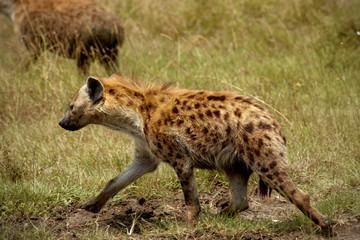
(278, 179)
(238, 177)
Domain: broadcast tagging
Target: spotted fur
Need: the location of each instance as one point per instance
(190, 129)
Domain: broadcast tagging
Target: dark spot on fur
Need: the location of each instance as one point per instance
(201, 116)
(247, 100)
(276, 174)
(205, 130)
(261, 143)
(237, 112)
(174, 164)
(275, 125)
(245, 138)
(184, 183)
(175, 110)
(226, 116)
(178, 156)
(192, 116)
(239, 98)
(293, 192)
(191, 96)
(177, 101)
(208, 113)
(217, 113)
(159, 145)
(216, 98)
(188, 108)
(281, 154)
(215, 141)
(179, 122)
(280, 179)
(273, 164)
(257, 152)
(111, 91)
(187, 199)
(228, 130)
(259, 107)
(264, 125)
(136, 94)
(179, 170)
(284, 138)
(264, 170)
(251, 158)
(267, 137)
(185, 102)
(282, 187)
(269, 176)
(197, 105)
(162, 99)
(188, 130)
(249, 127)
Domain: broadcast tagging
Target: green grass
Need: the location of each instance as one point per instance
(299, 57)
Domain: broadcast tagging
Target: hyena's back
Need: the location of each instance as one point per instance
(216, 130)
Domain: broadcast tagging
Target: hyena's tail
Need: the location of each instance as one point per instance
(279, 180)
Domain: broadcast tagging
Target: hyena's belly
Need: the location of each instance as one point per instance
(218, 152)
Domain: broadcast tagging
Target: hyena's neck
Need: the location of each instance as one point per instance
(128, 106)
(123, 111)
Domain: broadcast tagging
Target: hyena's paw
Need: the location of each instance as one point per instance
(231, 210)
(92, 206)
(326, 225)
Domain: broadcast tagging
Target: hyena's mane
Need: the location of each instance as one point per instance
(143, 87)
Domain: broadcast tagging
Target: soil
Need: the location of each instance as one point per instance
(129, 217)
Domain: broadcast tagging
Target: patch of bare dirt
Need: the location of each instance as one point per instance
(129, 217)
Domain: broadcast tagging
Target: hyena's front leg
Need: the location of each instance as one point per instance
(188, 184)
(137, 168)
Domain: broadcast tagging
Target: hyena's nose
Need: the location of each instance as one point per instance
(68, 125)
(61, 123)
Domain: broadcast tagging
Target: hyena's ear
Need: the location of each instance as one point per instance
(95, 88)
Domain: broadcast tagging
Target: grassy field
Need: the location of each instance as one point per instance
(301, 59)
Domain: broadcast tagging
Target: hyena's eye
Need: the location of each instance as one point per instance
(71, 107)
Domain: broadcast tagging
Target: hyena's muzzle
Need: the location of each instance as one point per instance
(67, 123)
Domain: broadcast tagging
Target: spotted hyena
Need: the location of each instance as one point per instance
(190, 129)
(73, 28)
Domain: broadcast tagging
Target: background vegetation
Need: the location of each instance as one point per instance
(302, 58)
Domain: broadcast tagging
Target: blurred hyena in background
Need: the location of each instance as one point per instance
(77, 29)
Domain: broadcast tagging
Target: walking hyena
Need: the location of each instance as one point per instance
(190, 129)
(73, 28)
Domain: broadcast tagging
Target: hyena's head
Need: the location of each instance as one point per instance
(84, 108)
